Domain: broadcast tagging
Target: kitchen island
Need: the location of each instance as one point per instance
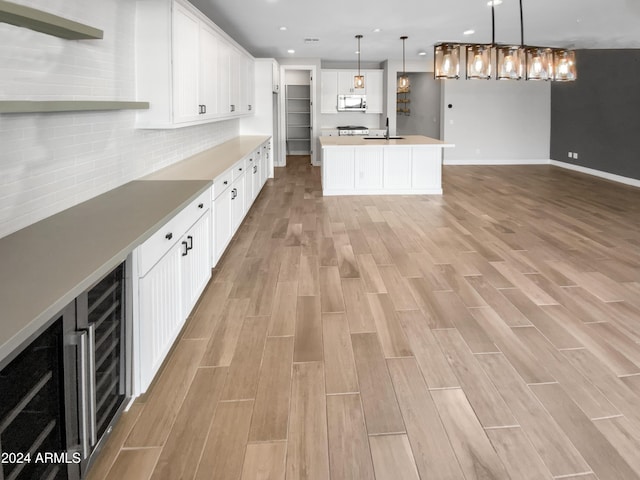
(409, 165)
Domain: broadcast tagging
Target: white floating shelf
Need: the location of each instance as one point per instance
(44, 22)
(51, 106)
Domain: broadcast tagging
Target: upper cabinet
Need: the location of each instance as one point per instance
(188, 68)
(340, 82)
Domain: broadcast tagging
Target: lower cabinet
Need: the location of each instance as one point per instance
(397, 168)
(237, 202)
(221, 223)
(338, 169)
(172, 269)
(387, 170)
(369, 171)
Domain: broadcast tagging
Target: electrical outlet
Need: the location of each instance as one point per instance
(570, 154)
(575, 155)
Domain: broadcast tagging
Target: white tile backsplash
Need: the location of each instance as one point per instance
(49, 162)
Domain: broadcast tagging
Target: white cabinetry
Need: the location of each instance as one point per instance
(368, 165)
(426, 169)
(373, 170)
(237, 202)
(171, 270)
(329, 91)
(196, 266)
(234, 191)
(189, 69)
(339, 171)
(375, 91)
(221, 216)
(340, 82)
(397, 168)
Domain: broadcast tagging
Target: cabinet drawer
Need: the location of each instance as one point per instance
(250, 161)
(239, 169)
(221, 183)
(151, 251)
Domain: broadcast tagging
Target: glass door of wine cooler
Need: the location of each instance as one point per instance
(33, 434)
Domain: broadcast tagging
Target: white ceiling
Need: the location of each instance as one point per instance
(562, 23)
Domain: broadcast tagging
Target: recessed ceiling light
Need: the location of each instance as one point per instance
(376, 30)
(493, 3)
(283, 28)
(291, 51)
(468, 32)
(422, 54)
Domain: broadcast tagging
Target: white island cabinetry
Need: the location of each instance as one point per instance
(355, 166)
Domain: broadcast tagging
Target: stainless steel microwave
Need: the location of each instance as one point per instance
(348, 103)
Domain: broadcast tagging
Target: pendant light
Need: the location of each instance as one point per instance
(510, 59)
(479, 55)
(358, 80)
(513, 62)
(403, 81)
(446, 61)
(564, 65)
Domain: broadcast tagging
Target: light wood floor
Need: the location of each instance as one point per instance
(489, 333)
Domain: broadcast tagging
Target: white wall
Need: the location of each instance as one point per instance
(496, 121)
(49, 162)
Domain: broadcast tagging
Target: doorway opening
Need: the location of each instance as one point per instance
(297, 122)
(418, 109)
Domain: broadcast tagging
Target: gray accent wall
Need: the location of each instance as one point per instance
(425, 107)
(598, 115)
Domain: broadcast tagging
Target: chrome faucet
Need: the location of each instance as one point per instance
(386, 135)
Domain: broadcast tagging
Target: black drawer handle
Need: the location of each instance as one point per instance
(190, 238)
(201, 205)
(186, 249)
(226, 182)
(169, 236)
(240, 169)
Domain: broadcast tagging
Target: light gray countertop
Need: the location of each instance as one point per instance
(45, 266)
(406, 141)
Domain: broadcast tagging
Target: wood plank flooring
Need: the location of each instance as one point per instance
(492, 333)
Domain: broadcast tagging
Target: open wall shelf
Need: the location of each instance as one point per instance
(51, 106)
(44, 22)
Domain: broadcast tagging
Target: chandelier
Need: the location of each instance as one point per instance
(513, 62)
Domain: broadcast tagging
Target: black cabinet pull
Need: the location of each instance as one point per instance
(190, 238)
(169, 236)
(240, 169)
(186, 249)
(251, 159)
(233, 108)
(249, 107)
(226, 182)
(201, 205)
(204, 109)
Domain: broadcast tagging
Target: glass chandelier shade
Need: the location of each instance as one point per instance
(564, 65)
(403, 80)
(446, 60)
(539, 63)
(479, 61)
(513, 62)
(510, 62)
(358, 80)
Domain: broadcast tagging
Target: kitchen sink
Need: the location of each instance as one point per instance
(383, 138)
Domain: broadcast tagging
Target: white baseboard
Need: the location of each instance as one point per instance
(377, 191)
(597, 173)
(471, 161)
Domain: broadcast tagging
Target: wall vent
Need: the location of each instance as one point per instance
(311, 40)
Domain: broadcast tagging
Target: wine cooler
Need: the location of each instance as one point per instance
(63, 391)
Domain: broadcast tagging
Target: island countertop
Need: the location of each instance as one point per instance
(360, 141)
